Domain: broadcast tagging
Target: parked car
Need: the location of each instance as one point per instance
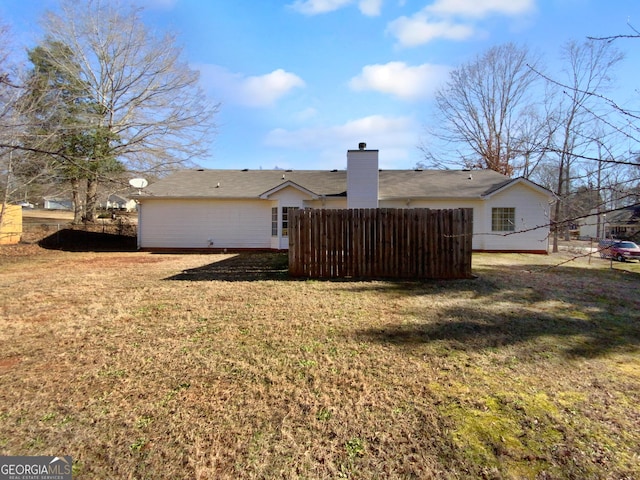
(26, 205)
(620, 250)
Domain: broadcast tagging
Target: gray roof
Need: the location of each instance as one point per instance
(626, 216)
(236, 184)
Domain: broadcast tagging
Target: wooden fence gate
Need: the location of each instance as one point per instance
(416, 243)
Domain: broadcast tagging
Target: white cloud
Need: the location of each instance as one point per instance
(401, 80)
(251, 91)
(395, 137)
(418, 30)
(370, 8)
(452, 19)
(481, 8)
(315, 7)
(265, 90)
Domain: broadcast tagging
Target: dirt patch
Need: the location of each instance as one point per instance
(7, 363)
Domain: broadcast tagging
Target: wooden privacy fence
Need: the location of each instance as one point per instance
(381, 243)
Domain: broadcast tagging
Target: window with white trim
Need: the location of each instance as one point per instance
(274, 222)
(503, 219)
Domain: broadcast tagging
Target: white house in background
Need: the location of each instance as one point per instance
(53, 203)
(249, 209)
(118, 202)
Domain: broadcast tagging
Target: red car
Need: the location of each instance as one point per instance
(621, 251)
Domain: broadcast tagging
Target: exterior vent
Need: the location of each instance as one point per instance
(362, 146)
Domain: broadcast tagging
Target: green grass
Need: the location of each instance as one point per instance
(217, 366)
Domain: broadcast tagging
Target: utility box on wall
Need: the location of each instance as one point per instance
(11, 226)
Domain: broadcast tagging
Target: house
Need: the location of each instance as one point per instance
(53, 203)
(118, 202)
(623, 223)
(249, 209)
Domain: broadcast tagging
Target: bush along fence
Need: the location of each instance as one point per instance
(418, 243)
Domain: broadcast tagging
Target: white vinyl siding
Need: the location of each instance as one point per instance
(531, 221)
(206, 223)
(170, 223)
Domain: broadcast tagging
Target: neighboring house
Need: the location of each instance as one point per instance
(622, 224)
(52, 203)
(118, 202)
(249, 209)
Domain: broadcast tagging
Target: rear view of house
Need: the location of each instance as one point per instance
(249, 209)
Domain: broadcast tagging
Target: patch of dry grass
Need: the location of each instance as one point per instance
(218, 366)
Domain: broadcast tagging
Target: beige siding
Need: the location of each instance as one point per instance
(289, 197)
(205, 224)
(330, 203)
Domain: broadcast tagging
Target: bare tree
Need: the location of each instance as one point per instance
(11, 125)
(149, 107)
(7, 101)
(486, 109)
(588, 69)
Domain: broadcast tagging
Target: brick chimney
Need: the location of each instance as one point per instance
(362, 177)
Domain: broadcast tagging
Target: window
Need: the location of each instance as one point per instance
(285, 220)
(274, 222)
(503, 219)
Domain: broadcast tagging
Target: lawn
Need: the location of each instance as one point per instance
(142, 365)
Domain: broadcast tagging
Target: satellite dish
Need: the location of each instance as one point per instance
(138, 183)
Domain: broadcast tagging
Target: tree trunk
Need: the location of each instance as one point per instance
(92, 199)
(567, 189)
(558, 210)
(598, 187)
(5, 199)
(75, 197)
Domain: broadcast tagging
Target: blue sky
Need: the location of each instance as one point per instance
(302, 81)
